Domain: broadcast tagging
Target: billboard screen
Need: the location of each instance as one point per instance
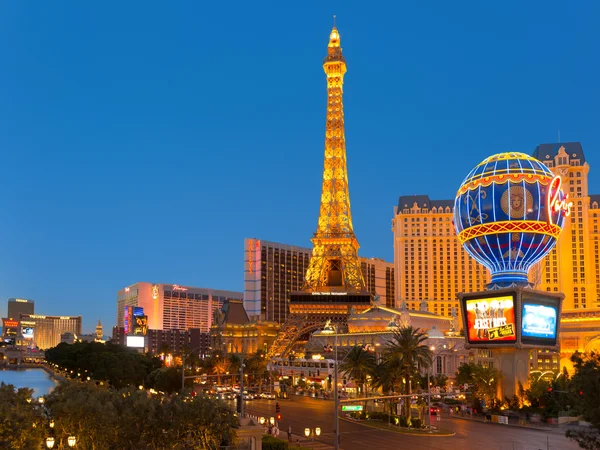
(140, 326)
(135, 341)
(27, 332)
(539, 322)
(10, 327)
(491, 320)
(128, 317)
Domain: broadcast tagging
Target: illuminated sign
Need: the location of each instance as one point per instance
(8, 323)
(554, 203)
(135, 341)
(21, 300)
(176, 287)
(491, 320)
(329, 293)
(539, 321)
(352, 408)
(65, 318)
(155, 292)
(140, 325)
(27, 322)
(35, 316)
(127, 289)
(27, 332)
(128, 317)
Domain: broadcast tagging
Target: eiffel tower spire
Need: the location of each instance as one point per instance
(334, 262)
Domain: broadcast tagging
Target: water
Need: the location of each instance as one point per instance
(36, 379)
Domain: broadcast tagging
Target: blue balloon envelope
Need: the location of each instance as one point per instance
(508, 214)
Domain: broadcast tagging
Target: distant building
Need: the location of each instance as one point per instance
(46, 330)
(68, 338)
(118, 335)
(177, 342)
(234, 332)
(99, 334)
(172, 306)
(18, 306)
(273, 270)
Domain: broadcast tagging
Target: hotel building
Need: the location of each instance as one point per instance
(432, 266)
(44, 331)
(18, 306)
(171, 306)
(273, 270)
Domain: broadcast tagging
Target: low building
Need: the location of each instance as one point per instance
(177, 342)
(234, 332)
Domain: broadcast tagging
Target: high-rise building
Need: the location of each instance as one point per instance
(432, 266)
(430, 263)
(272, 271)
(99, 333)
(573, 266)
(18, 306)
(171, 306)
(45, 331)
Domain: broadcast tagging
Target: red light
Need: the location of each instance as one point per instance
(278, 416)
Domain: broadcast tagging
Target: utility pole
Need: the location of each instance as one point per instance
(242, 389)
(336, 399)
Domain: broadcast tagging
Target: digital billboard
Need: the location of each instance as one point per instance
(10, 327)
(135, 341)
(27, 332)
(538, 323)
(491, 320)
(128, 317)
(140, 326)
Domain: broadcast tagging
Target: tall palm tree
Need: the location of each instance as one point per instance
(357, 364)
(221, 367)
(256, 365)
(406, 352)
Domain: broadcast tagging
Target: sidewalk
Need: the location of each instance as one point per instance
(301, 441)
(540, 427)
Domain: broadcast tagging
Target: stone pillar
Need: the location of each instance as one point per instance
(514, 366)
(250, 431)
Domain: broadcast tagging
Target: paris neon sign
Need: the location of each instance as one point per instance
(554, 203)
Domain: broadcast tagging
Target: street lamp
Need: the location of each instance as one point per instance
(272, 420)
(261, 420)
(332, 329)
(71, 440)
(41, 400)
(430, 369)
(49, 442)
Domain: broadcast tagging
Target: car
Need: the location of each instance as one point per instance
(267, 395)
(434, 411)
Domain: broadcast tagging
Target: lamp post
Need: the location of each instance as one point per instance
(49, 442)
(71, 440)
(312, 433)
(183, 358)
(430, 369)
(332, 329)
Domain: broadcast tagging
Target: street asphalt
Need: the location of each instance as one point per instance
(305, 412)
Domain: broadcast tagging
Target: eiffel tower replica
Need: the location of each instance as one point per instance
(334, 284)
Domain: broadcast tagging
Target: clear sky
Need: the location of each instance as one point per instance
(143, 141)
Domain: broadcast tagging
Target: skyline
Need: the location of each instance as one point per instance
(136, 149)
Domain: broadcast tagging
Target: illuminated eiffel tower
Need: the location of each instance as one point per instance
(334, 281)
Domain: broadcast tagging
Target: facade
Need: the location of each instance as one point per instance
(171, 306)
(234, 332)
(99, 333)
(18, 306)
(178, 341)
(46, 330)
(430, 263)
(273, 270)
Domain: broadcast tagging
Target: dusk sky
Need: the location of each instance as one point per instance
(143, 141)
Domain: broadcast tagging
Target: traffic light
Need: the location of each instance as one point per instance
(277, 408)
(278, 417)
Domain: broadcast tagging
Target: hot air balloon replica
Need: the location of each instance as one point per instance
(508, 214)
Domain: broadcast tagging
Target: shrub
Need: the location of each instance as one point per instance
(416, 423)
(272, 443)
(403, 421)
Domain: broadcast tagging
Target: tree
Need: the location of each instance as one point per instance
(220, 368)
(22, 424)
(483, 381)
(357, 364)
(586, 383)
(406, 353)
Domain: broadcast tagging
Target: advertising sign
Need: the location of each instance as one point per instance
(27, 332)
(491, 320)
(128, 317)
(135, 341)
(141, 325)
(539, 322)
(10, 327)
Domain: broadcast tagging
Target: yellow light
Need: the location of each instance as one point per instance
(307, 432)
(50, 442)
(71, 440)
(318, 431)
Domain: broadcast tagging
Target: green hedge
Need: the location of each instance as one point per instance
(272, 443)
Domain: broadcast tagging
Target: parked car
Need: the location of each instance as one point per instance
(434, 411)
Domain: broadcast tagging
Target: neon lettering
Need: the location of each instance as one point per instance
(176, 287)
(554, 204)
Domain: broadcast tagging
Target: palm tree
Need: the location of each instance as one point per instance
(221, 367)
(406, 352)
(357, 364)
(257, 365)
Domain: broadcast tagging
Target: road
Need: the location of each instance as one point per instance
(305, 412)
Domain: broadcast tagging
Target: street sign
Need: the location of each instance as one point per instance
(352, 408)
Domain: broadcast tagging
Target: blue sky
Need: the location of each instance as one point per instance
(143, 141)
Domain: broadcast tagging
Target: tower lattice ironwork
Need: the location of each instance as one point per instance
(334, 283)
(334, 260)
